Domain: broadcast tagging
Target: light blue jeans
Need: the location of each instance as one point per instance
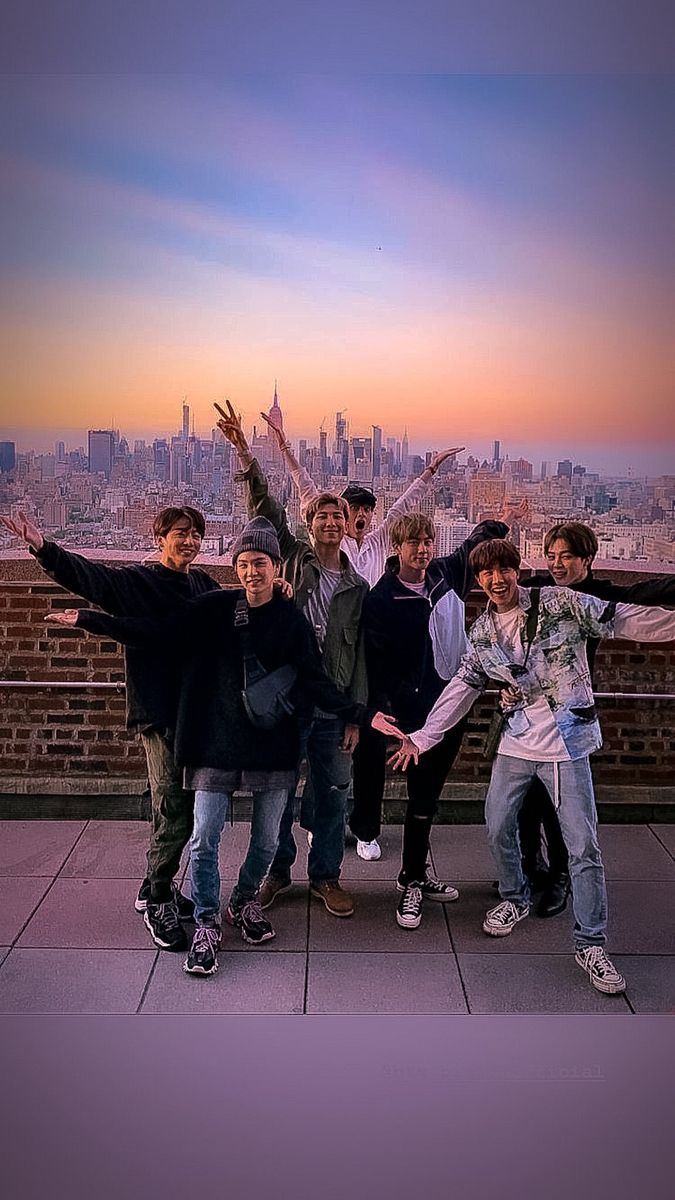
(211, 810)
(571, 788)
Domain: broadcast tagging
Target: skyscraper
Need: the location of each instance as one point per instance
(7, 456)
(186, 422)
(377, 451)
(101, 450)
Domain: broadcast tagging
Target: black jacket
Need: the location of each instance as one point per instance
(152, 591)
(399, 651)
(212, 728)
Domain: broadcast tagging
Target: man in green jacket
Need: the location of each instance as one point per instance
(330, 594)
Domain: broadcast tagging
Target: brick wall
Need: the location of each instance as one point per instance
(52, 740)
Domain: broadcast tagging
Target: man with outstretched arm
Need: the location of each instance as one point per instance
(330, 594)
(551, 729)
(366, 548)
(570, 549)
(151, 590)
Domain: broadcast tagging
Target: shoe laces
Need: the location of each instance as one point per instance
(412, 897)
(205, 938)
(505, 913)
(598, 961)
(167, 915)
(252, 913)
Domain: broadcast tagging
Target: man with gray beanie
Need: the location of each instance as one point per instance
(224, 639)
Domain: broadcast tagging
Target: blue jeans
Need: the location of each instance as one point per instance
(211, 809)
(330, 770)
(571, 788)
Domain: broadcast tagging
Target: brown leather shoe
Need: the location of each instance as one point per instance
(270, 888)
(337, 901)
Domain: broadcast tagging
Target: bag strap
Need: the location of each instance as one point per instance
(531, 625)
(253, 668)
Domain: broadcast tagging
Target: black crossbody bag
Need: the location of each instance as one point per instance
(499, 718)
(266, 694)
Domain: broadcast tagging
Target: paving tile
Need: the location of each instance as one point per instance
(532, 983)
(531, 936)
(36, 847)
(384, 983)
(650, 980)
(641, 918)
(18, 898)
(116, 849)
(74, 981)
(633, 852)
(373, 926)
(4, 951)
(92, 914)
(461, 852)
(666, 835)
(259, 983)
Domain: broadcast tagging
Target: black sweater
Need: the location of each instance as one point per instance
(212, 729)
(152, 591)
(399, 652)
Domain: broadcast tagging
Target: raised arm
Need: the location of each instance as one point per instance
(106, 586)
(303, 481)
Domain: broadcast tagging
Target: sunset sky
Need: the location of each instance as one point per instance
(473, 257)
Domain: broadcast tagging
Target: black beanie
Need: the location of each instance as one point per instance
(259, 534)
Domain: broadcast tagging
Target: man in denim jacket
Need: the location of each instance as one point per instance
(551, 730)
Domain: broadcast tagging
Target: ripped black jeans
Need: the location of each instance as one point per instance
(425, 784)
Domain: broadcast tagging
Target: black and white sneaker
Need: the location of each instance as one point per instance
(432, 888)
(500, 921)
(184, 906)
(409, 911)
(249, 917)
(165, 928)
(600, 970)
(202, 956)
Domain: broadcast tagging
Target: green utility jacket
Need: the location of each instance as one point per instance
(343, 656)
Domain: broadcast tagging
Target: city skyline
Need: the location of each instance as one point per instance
(473, 257)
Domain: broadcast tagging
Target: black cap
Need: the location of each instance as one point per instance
(356, 493)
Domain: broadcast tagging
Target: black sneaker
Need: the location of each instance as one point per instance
(202, 956)
(409, 911)
(184, 906)
(165, 929)
(432, 888)
(255, 928)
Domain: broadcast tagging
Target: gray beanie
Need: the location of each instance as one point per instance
(259, 534)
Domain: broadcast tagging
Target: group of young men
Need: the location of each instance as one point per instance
(377, 645)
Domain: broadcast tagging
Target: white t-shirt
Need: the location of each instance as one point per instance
(540, 740)
(318, 604)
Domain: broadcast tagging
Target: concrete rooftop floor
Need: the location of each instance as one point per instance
(71, 941)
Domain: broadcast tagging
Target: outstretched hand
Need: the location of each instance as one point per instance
(514, 510)
(230, 426)
(441, 457)
(22, 527)
(65, 616)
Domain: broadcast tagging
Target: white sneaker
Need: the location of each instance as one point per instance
(601, 971)
(369, 850)
(500, 921)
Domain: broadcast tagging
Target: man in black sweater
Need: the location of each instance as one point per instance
(414, 621)
(152, 680)
(224, 641)
(570, 549)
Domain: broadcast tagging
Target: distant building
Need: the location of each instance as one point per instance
(7, 456)
(101, 451)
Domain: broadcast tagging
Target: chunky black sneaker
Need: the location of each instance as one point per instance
(409, 911)
(202, 956)
(432, 888)
(255, 928)
(166, 930)
(184, 906)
